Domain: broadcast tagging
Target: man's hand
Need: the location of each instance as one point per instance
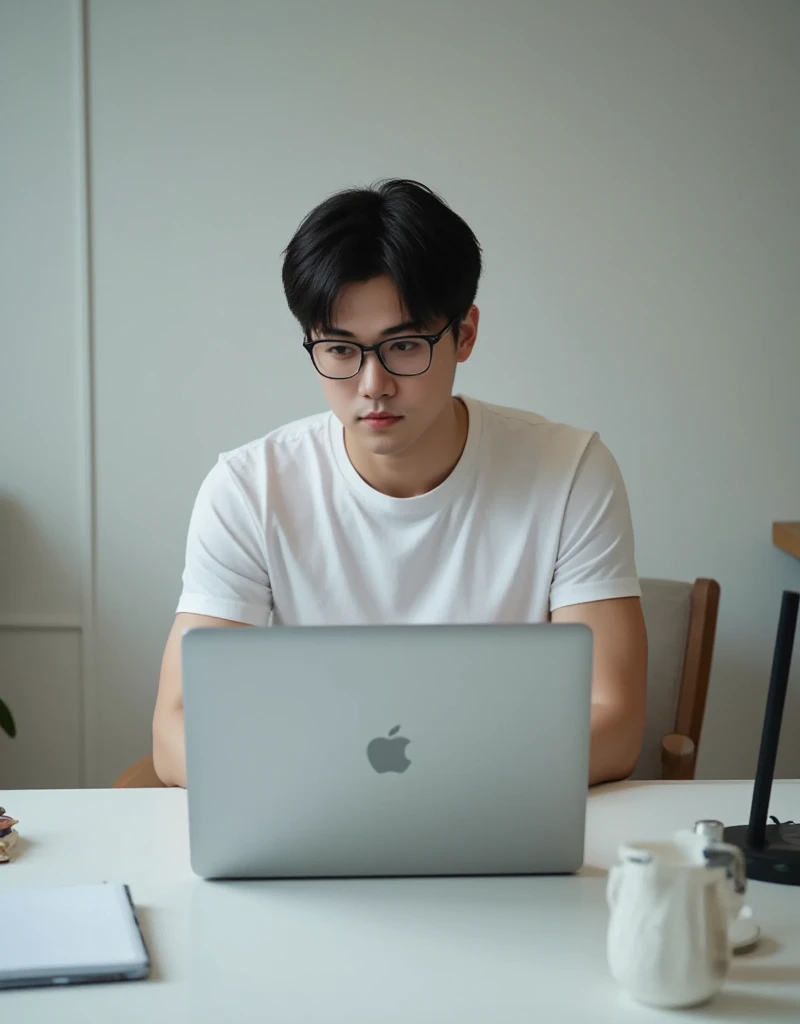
(619, 683)
(169, 748)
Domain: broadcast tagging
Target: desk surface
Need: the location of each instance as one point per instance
(446, 950)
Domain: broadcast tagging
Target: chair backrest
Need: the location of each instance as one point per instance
(681, 624)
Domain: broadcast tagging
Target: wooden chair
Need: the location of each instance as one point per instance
(681, 623)
(141, 775)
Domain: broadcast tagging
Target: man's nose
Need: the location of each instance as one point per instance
(375, 380)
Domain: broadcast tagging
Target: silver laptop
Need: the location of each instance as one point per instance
(387, 750)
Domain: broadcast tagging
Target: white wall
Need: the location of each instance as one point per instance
(42, 346)
(631, 169)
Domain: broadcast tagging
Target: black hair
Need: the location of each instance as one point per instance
(395, 227)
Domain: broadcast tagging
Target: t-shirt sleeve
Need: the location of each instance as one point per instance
(595, 558)
(225, 573)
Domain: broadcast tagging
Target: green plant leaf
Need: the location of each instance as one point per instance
(7, 720)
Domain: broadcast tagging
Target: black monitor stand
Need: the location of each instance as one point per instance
(772, 851)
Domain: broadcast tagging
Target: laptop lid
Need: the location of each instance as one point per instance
(387, 750)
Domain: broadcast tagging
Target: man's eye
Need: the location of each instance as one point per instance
(405, 345)
(341, 351)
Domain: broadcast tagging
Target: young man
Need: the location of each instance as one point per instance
(406, 504)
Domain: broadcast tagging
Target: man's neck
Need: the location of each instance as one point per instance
(424, 466)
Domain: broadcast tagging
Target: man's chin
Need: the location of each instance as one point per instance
(388, 441)
(383, 445)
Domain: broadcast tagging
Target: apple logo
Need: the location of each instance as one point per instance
(389, 755)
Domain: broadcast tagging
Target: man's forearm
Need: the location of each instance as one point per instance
(169, 748)
(615, 746)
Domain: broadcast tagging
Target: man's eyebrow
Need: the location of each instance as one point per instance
(339, 332)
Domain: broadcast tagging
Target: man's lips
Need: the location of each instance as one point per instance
(380, 419)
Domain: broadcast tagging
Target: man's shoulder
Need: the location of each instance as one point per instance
(532, 430)
(284, 441)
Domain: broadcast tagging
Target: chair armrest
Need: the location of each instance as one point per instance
(678, 755)
(141, 775)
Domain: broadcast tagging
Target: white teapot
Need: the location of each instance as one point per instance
(671, 903)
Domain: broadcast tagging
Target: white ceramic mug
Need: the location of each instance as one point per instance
(668, 931)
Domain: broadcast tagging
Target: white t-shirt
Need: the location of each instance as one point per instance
(533, 517)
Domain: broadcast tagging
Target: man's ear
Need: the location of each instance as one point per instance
(467, 334)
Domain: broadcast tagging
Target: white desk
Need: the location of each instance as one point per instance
(447, 950)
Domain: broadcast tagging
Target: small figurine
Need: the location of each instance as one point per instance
(8, 837)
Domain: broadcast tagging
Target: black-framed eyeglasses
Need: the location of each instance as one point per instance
(404, 357)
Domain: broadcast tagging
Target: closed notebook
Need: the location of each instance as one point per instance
(72, 934)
